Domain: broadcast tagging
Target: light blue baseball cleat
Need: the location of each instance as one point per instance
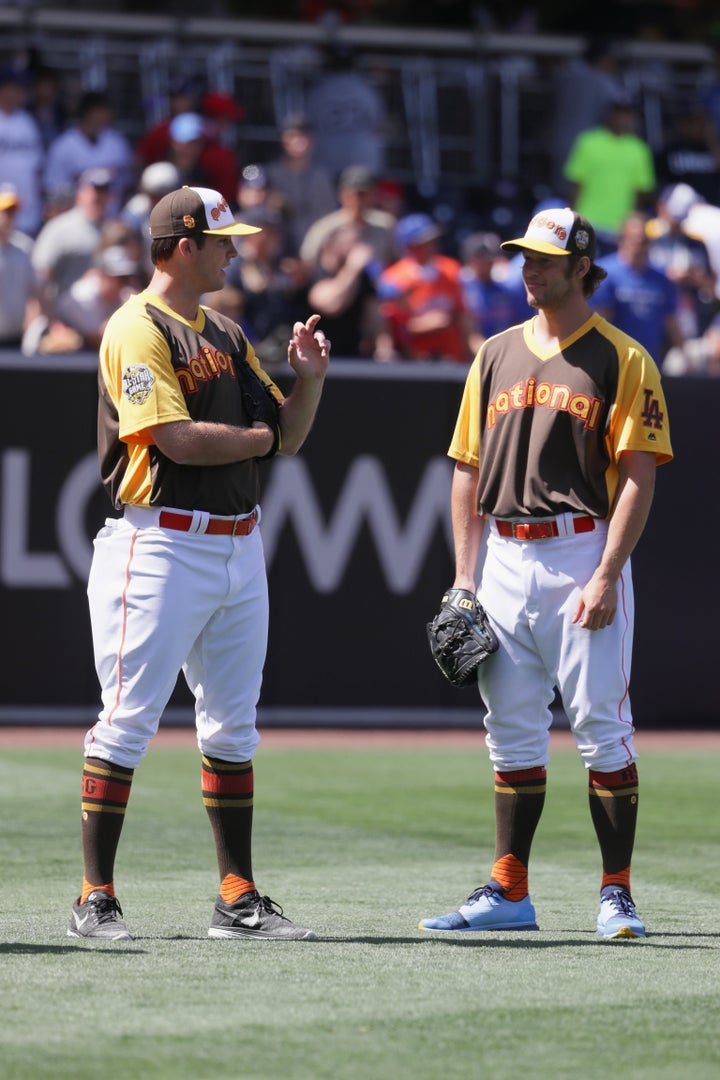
(485, 909)
(618, 917)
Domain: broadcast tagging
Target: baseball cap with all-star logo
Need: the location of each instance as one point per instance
(557, 231)
(192, 210)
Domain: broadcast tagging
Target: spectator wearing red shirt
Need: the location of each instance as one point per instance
(215, 116)
(154, 144)
(422, 298)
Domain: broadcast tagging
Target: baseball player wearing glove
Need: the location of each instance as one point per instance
(460, 637)
(561, 426)
(178, 581)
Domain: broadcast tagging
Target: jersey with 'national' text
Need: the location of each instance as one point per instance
(546, 428)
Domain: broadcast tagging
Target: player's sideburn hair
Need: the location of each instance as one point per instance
(592, 279)
(162, 248)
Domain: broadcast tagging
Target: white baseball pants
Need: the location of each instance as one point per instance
(530, 590)
(162, 601)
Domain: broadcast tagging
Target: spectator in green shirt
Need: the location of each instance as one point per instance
(610, 171)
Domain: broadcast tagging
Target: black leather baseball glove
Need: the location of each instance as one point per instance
(461, 637)
(259, 403)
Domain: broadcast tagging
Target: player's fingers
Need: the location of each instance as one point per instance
(599, 620)
(301, 329)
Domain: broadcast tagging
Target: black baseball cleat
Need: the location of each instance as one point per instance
(99, 917)
(255, 916)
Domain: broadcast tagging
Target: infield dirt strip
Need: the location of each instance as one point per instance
(350, 739)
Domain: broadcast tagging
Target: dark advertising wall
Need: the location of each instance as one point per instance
(357, 537)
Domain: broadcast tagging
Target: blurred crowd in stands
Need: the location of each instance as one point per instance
(341, 237)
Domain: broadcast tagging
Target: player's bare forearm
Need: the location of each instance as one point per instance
(467, 526)
(191, 442)
(297, 414)
(309, 357)
(636, 487)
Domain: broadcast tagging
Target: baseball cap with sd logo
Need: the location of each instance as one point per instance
(192, 210)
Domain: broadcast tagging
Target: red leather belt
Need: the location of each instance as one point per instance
(216, 526)
(541, 530)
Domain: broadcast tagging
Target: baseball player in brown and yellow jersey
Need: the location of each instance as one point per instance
(561, 426)
(178, 580)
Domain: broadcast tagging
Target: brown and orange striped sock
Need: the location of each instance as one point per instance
(105, 794)
(88, 887)
(227, 791)
(613, 801)
(519, 802)
(232, 887)
(512, 877)
(621, 879)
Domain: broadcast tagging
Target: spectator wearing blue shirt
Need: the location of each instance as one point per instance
(683, 259)
(492, 304)
(636, 297)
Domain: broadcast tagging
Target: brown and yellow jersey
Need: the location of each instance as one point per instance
(546, 428)
(156, 368)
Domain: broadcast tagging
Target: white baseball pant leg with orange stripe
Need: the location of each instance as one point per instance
(530, 590)
(162, 601)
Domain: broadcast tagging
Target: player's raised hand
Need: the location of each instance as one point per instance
(309, 349)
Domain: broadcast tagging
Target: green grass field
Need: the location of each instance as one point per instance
(359, 845)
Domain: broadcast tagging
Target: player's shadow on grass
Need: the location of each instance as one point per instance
(651, 941)
(20, 948)
(418, 939)
(519, 942)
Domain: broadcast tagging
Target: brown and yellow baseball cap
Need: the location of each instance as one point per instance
(558, 231)
(191, 210)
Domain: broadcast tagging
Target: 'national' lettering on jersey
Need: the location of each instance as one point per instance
(206, 364)
(531, 393)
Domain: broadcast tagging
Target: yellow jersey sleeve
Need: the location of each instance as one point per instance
(136, 367)
(465, 444)
(638, 419)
